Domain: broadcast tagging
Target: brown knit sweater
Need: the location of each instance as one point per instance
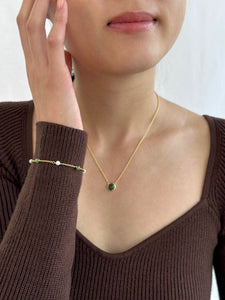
(43, 256)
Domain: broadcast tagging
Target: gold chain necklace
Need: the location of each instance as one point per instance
(112, 186)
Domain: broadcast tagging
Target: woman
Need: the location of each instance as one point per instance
(156, 228)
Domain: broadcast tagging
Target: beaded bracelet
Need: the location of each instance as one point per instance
(57, 163)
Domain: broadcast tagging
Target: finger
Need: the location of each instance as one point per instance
(56, 39)
(36, 31)
(21, 20)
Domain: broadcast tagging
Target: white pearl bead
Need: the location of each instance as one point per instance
(57, 163)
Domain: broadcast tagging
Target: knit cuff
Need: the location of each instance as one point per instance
(58, 142)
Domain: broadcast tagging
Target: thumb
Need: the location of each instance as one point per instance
(68, 59)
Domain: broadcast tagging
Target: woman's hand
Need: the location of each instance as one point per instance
(48, 66)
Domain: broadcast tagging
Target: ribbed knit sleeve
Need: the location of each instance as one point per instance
(37, 250)
(219, 254)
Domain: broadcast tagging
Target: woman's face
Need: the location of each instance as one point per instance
(95, 47)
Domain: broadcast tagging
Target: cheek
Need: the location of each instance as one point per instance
(85, 27)
(82, 32)
(171, 21)
(80, 20)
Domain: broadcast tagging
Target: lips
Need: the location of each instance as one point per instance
(132, 17)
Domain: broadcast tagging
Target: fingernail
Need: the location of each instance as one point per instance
(60, 4)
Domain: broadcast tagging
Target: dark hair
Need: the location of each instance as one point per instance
(72, 75)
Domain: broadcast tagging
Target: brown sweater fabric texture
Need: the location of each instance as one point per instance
(44, 257)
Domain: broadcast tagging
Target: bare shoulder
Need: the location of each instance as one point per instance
(179, 118)
(183, 133)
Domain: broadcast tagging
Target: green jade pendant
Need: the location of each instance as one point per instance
(112, 186)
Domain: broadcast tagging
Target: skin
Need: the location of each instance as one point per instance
(115, 78)
(115, 72)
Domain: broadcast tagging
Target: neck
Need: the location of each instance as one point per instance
(115, 110)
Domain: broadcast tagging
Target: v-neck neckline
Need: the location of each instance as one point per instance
(162, 231)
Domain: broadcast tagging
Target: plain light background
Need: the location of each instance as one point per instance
(192, 74)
